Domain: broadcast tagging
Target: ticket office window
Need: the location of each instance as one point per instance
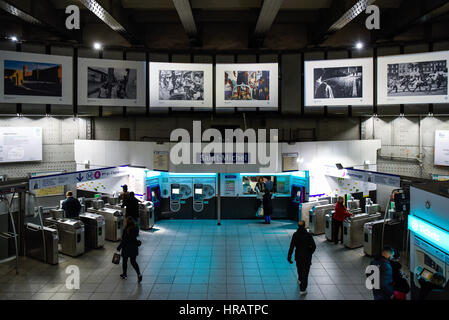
(281, 184)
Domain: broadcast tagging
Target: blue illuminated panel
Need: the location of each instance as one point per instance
(428, 232)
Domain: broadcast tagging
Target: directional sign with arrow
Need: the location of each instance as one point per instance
(80, 177)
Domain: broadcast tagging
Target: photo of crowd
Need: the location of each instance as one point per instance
(417, 79)
(112, 83)
(247, 85)
(181, 85)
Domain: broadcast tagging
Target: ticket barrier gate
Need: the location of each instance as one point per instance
(113, 222)
(146, 213)
(317, 218)
(34, 246)
(328, 222)
(94, 228)
(71, 235)
(353, 228)
(372, 235)
(305, 210)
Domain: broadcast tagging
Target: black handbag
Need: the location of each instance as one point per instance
(139, 243)
(116, 258)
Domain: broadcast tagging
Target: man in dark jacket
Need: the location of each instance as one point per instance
(305, 246)
(132, 206)
(71, 206)
(385, 291)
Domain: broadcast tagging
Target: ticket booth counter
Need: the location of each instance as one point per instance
(240, 199)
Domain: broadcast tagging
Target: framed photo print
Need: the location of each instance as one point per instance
(35, 78)
(247, 85)
(111, 82)
(338, 82)
(180, 85)
(413, 78)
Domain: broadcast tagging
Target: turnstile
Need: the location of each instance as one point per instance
(328, 225)
(328, 222)
(305, 208)
(94, 229)
(146, 213)
(113, 221)
(34, 243)
(57, 213)
(71, 235)
(317, 218)
(353, 229)
(372, 235)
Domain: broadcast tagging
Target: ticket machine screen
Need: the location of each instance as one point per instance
(198, 191)
(426, 274)
(175, 191)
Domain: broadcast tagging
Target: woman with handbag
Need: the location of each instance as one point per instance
(129, 247)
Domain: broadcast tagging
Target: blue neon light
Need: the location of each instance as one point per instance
(432, 234)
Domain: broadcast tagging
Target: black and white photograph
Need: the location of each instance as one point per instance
(35, 78)
(418, 78)
(253, 85)
(338, 82)
(181, 85)
(111, 82)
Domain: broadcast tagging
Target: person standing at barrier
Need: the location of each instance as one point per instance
(340, 214)
(132, 208)
(305, 246)
(129, 247)
(385, 291)
(125, 194)
(71, 206)
(267, 201)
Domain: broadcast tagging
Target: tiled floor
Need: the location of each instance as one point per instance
(196, 259)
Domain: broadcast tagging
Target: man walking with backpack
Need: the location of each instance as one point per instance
(305, 246)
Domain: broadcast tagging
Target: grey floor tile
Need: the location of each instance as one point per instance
(80, 296)
(42, 296)
(100, 296)
(61, 296)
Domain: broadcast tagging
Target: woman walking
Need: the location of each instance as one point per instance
(130, 248)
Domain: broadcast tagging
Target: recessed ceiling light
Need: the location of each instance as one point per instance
(359, 45)
(97, 46)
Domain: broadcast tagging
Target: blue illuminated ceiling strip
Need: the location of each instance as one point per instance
(429, 232)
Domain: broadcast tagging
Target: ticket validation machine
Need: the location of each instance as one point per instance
(175, 198)
(198, 198)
